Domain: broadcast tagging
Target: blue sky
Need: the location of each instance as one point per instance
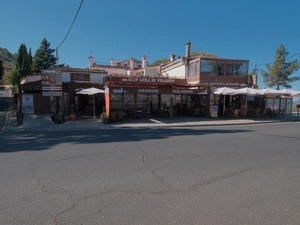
(119, 29)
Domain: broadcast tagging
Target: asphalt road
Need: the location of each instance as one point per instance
(4, 104)
(229, 175)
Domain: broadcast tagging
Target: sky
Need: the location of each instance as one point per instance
(119, 29)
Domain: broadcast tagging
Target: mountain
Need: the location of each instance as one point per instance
(9, 59)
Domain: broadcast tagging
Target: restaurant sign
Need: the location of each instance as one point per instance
(145, 80)
(80, 77)
(148, 80)
(135, 90)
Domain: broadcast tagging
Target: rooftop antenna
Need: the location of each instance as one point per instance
(255, 69)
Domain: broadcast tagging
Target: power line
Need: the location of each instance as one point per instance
(286, 58)
(69, 29)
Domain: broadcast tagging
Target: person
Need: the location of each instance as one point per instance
(221, 106)
(15, 99)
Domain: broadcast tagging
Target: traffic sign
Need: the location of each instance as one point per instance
(51, 88)
(52, 93)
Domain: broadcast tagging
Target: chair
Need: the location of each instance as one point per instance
(236, 113)
(228, 113)
(265, 113)
(244, 113)
(121, 115)
(113, 117)
(196, 112)
(139, 113)
(145, 113)
(202, 112)
(126, 114)
(257, 113)
(132, 114)
(279, 113)
(282, 113)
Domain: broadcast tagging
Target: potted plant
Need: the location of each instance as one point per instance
(72, 115)
(67, 113)
(104, 118)
(61, 103)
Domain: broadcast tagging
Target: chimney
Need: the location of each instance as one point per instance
(144, 63)
(131, 63)
(91, 61)
(172, 57)
(188, 49)
(113, 62)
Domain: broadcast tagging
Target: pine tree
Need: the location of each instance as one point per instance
(23, 62)
(1, 69)
(30, 57)
(43, 58)
(280, 71)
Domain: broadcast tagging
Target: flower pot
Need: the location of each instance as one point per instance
(105, 120)
(67, 117)
(72, 116)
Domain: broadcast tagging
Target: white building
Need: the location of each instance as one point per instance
(129, 67)
(217, 72)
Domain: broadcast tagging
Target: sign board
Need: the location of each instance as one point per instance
(51, 88)
(51, 72)
(51, 77)
(121, 90)
(27, 103)
(80, 77)
(144, 80)
(47, 82)
(52, 93)
(214, 111)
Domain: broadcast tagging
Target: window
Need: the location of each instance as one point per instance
(241, 69)
(229, 68)
(191, 69)
(197, 69)
(208, 67)
(220, 68)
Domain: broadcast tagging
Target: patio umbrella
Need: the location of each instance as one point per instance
(247, 91)
(271, 92)
(292, 92)
(91, 91)
(224, 91)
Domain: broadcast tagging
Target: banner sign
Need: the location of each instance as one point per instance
(27, 103)
(135, 90)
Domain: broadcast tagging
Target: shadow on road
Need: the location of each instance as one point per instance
(37, 141)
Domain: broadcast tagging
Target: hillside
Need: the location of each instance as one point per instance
(9, 59)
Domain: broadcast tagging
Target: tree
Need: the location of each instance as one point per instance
(1, 69)
(160, 61)
(23, 65)
(196, 53)
(280, 71)
(13, 77)
(204, 54)
(43, 58)
(30, 56)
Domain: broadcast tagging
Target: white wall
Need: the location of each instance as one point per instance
(98, 78)
(178, 72)
(29, 79)
(94, 77)
(65, 77)
(150, 73)
(115, 70)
